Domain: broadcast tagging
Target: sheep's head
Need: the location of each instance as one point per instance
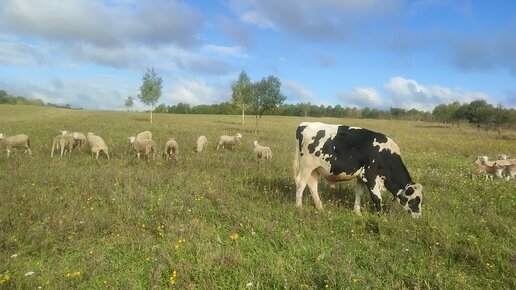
(502, 156)
(2, 137)
(480, 160)
(255, 143)
(132, 139)
(411, 198)
(75, 135)
(64, 132)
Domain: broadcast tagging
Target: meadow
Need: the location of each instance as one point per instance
(222, 220)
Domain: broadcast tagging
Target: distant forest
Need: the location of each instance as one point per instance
(478, 112)
(5, 98)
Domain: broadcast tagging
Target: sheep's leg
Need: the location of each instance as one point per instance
(8, 152)
(359, 191)
(97, 155)
(313, 180)
(138, 155)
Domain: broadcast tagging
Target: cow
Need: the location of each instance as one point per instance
(342, 153)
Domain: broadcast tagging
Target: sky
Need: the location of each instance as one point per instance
(354, 53)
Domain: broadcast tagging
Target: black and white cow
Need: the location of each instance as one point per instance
(341, 153)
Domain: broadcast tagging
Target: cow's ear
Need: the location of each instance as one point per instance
(409, 191)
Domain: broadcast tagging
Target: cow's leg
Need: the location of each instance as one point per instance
(301, 181)
(359, 191)
(313, 180)
(375, 190)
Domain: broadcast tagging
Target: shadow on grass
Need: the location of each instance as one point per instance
(284, 190)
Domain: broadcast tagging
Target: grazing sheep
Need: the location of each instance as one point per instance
(79, 138)
(97, 145)
(230, 141)
(146, 146)
(504, 160)
(509, 171)
(17, 141)
(171, 149)
(488, 170)
(261, 152)
(202, 142)
(64, 142)
(144, 135)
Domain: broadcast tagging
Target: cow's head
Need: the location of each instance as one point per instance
(411, 197)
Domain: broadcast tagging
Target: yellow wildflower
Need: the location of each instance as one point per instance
(4, 277)
(172, 280)
(234, 237)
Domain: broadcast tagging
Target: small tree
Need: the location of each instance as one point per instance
(266, 96)
(129, 102)
(150, 90)
(242, 93)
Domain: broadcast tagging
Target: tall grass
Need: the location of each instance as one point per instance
(221, 220)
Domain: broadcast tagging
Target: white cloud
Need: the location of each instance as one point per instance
(233, 51)
(195, 92)
(102, 24)
(256, 18)
(299, 92)
(362, 97)
(408, 94)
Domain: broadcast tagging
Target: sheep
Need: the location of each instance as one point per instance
(171, 149)
(79, 138)
(202, 142)
(230, 141)
(64, 142)
(261, 152)
(509, 171)
(488, 170)
(144, 135)
(146, 146)
(97, 145)
(504, 160)
(17, 141)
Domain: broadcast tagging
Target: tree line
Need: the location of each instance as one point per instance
(6, 98)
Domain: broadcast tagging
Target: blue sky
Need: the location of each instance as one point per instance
(374, 53)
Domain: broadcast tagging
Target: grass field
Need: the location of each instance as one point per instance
(221, 220)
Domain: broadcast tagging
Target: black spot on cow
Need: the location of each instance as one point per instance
(409, 191)
(299, 137)
(414, 204)
(403, 200)
(318, 153)
(317, 138)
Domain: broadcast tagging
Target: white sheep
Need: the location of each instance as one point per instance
(488, 170)
(79, 138)
(504, 160)
(146, 146)
(229, 141)
(202, 142)
(64, 142)
(509, 171)
(97, 145)
(144, 135)
(261, 152)
(17, 141)
(171, 149)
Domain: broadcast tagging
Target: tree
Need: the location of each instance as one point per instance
(129, 102)
(266, 96)
(242, 93)
(150, 90)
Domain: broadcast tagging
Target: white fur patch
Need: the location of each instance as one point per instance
(389, 145)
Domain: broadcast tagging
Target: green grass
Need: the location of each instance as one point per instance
(83, 223)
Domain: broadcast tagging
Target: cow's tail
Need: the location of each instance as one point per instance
(295, 163)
